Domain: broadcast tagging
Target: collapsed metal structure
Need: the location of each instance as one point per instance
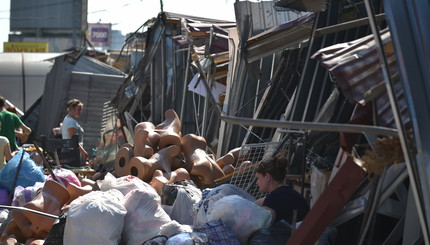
(341, 76)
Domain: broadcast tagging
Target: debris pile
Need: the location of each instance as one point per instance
(162, 190)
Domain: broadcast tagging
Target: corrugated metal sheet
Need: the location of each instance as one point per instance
(357, 71)
(93, 90)
(249, 78)
(279, 38)
(194, 18)
(86, 79)
(409, 24)
(263, 15)
(160, 81)
(312, 87)
(300, 5)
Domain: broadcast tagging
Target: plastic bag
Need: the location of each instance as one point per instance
(145, 216)
(241, 216)
(124, 184)
(186, 198)
(95, 218)
(193, 238)
(172, 228)
(4, 197)
(210, 196)
(56, 234)
(277, 234)
(65, 176)
(157, 240)
(218, 233)
(170, 191)
(29, 174)
(24, 195)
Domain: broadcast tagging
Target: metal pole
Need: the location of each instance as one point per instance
(346, 26)
(30, 210)
(184, 91)
(163, 75)
(329, 127)
(15, 179)
(206, 102)
(23, 82)
(203, 79)
(45, 162)
(397, 117)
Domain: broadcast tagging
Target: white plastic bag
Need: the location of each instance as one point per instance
(182, 209)
(124, 184)
(172, 228)
(210, 196)
(95, 218)
(145, 216)
(243, 217)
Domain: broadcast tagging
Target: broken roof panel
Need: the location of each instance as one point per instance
(202, 33)
(262, 15)
(357, 71)
(300, 5)
(279, 38)
(170, 15)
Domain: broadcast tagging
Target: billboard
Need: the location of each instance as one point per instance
(32, 47)
(99, 34)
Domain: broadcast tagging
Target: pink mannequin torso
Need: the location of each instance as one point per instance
(204, 167)
(145, 168)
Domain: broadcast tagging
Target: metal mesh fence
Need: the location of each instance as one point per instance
(249, 157)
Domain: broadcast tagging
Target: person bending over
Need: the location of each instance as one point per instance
(10, 122)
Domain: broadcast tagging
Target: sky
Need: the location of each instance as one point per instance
(128, 15)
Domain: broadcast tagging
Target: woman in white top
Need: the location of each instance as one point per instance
(5, 152)
(71, 127)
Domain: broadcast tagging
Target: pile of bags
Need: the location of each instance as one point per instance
(161, 192)
(127, 210)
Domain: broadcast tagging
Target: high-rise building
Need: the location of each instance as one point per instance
(61, 24)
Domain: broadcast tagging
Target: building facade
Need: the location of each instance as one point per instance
(59, 24)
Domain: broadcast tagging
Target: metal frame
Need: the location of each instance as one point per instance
(406, 147)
